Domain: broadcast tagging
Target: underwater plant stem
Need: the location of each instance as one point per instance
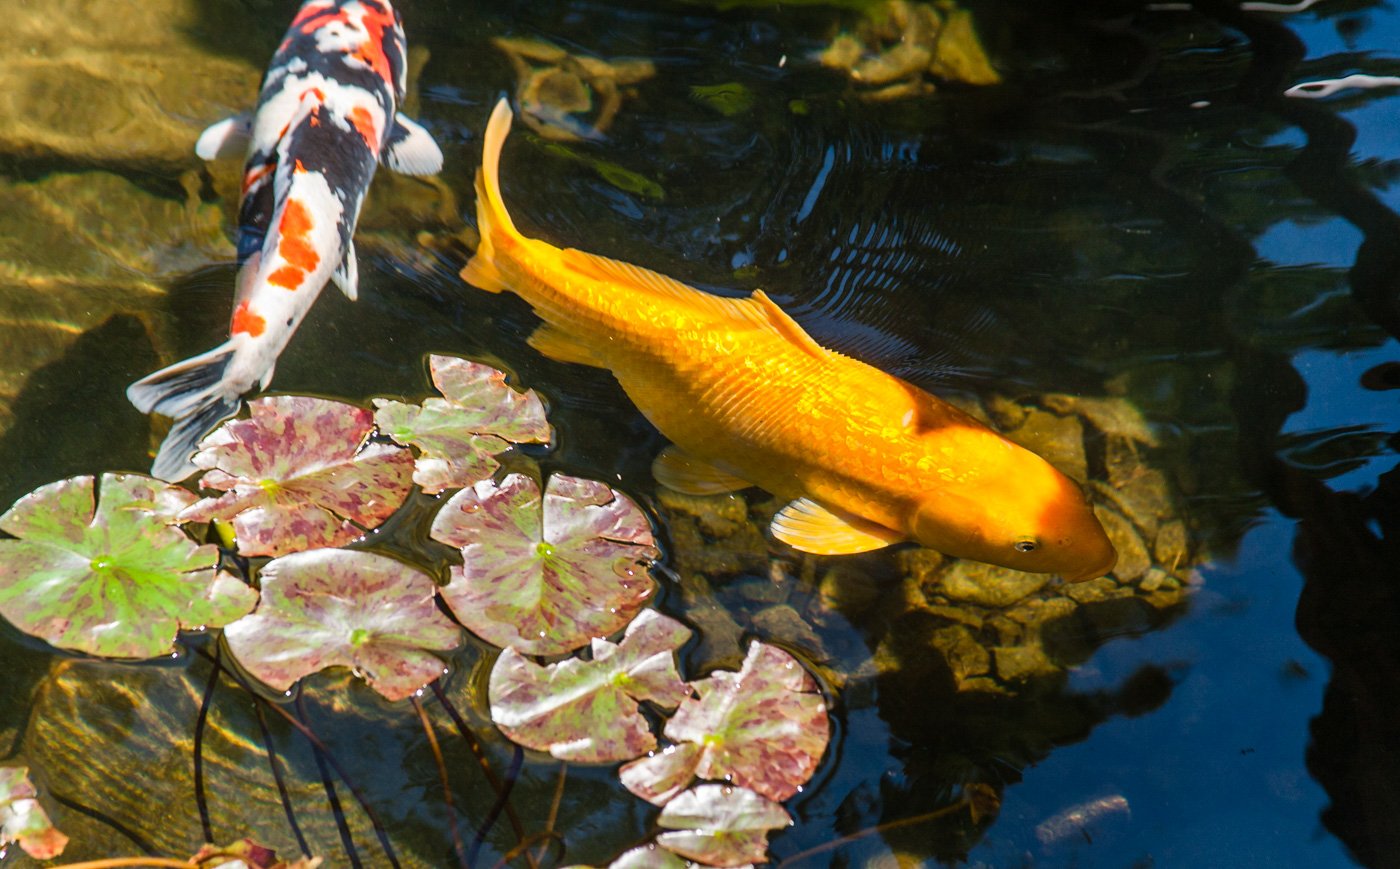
(502, 792)
(442, 774)
(281, 783)
(321, 749)
(502, 803)
(346, 840)
(964, 802)
(554, 805)
(544, 837)
(200, 721)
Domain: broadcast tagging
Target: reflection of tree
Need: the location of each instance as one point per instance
(1347, 544)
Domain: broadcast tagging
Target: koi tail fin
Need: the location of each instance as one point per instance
(493, 221)
(192, 393)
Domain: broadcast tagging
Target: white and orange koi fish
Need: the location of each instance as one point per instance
(327, 115)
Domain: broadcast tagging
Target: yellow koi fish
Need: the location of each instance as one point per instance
(749, 398)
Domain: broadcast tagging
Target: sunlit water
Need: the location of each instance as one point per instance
(1138, 209)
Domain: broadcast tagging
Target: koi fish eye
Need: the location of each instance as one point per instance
(1026, 545)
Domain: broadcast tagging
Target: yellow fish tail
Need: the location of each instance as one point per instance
(493, 221)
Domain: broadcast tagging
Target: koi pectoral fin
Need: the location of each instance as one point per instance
(562, 347)
(810, 527)
(411, 149)
(678, 470)
(347, 274)
(226, 138)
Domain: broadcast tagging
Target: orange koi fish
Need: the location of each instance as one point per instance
(747, 397)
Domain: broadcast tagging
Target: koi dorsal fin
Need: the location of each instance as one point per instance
(636, 278)
(787, 326)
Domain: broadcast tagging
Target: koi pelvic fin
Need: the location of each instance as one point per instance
(192, 393)
(806, 525)
(681, 472)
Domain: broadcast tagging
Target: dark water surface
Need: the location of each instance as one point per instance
(1137, 211)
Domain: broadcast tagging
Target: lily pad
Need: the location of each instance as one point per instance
(764, 728)
(115, 579)
(298, 475)
(720, 825)
(545, 575)
(334, 607)
(459, 435)
(23, 820)
(587, 711)
(644, 857)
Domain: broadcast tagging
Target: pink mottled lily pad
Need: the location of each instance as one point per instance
(459, 435)
(111, 577)
(334, 607)
(297, 474)
(587, 711)
(23, 820)
(764, 728)
(721, 826)
(649, 856)
(545, 575)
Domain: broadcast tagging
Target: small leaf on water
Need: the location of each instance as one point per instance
(577, 710)
(764, 728)
(540, 574)
(297, 474)
(334, 607)
(720, 825)
(23, 820)
(458, 435)
(116, 580)
(729, 99)
(247, 854)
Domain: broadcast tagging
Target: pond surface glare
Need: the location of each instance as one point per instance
(1136, 213)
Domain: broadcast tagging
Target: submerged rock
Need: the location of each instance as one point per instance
(569, 97)
(893, 51)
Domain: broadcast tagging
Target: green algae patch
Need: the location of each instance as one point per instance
(100, 568)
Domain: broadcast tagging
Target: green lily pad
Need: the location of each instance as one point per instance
(764, 728)
(720, 825)
(545, 575)
(115, 579)
(23, 820)
(729, 99)
(334, 607)
(298, 475)
(587, 711)
(459, 435)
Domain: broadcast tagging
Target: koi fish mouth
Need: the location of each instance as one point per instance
(1095, 573)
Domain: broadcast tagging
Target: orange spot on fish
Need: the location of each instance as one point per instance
(294, 242)
(364, 122)
(296, 220)
(298, 168)
(254, 175)
(287, 277)
(245, 321)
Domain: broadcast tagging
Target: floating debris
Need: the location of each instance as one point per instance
(1074, 820)
(1316, 90)
(570, 97)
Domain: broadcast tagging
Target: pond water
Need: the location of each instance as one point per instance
(1135, 214)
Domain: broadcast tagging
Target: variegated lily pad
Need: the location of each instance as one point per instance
(545, 575)
(334, 607)
(298, 475)
(115, 579)
(460, 434)
(721, 826)
(23, 820)
(247, 854)
(643, 857)
(764, 728)
(587, 711)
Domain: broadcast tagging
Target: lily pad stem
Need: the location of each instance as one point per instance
(442, 774)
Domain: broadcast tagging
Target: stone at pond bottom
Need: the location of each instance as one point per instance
(965, 656)
(1021, 663)
(1057, 439)
(1133, 558)
(989, 585)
